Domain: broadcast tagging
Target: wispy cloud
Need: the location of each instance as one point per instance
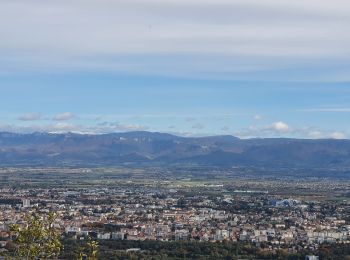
(64, 127)
(64, 116)
(225, 129)
(222, 37)
(258, 117)
(276, 129)
(330, 109)
(30, 117)
(281, 129)
(126, 127)
(198, 126)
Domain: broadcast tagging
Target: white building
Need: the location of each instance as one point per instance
(26, 203)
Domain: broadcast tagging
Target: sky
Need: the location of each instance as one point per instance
(249, 68)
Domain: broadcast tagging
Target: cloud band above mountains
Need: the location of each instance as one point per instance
(220, 39)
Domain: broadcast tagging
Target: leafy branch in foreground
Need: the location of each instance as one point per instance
(90, 250)
(38, 238)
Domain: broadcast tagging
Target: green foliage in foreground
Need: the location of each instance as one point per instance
(37, 239)
(87, 251)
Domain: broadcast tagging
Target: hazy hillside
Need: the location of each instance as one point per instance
(159, 148)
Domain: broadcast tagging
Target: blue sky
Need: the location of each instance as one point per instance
(247, 68)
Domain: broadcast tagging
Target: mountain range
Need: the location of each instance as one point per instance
(149, 148)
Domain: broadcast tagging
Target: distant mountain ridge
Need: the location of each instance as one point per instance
(151, 148)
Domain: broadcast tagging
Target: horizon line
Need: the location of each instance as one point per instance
(168, 133)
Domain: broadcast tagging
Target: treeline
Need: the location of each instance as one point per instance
(154, 250)
(161, 250)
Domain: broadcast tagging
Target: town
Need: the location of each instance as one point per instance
(180, 209)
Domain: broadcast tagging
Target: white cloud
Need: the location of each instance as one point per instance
(30, 117)
(64, 116)
(315, 134)
(257, 117)
(337, 135)
(280, 127)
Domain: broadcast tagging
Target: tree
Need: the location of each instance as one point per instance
(89, 251)
(92, 249)
(38, 238)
